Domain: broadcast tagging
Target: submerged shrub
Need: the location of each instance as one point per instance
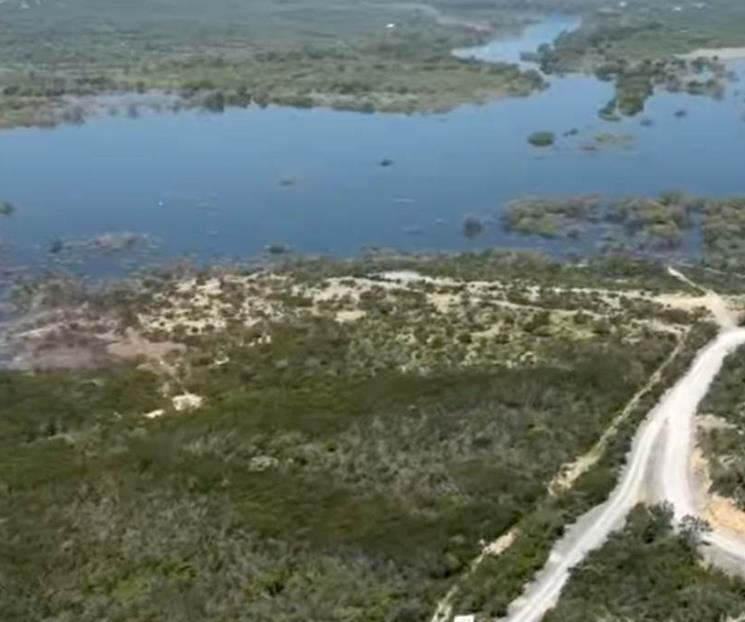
(542, 139)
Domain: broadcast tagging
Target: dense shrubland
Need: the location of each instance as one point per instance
(649, 572)
(723, 442)
(501, 579)
(330, 53)
(334, 470)
(639, 48)
(673, 222)
(326, 53)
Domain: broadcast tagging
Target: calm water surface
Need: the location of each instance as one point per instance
(221, 186)
(510, 49)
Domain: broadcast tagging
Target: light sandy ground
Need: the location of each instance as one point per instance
(724, 515)
(186, 401)
(721, 513)
(133, 346)
(203, 305)
(612, 299)
(350, 315)
(441, 18)
(181, 403)
(723, 54)
(57, 345)
(721, 308)
(198, 306)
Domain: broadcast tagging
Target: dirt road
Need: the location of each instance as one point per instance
(660, 463)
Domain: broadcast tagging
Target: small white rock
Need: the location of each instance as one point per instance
(187, 401)
(262, 463)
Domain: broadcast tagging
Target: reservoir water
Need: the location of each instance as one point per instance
(225, 185)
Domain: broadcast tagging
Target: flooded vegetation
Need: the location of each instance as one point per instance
(349, 173)
(345, 311)
(264, 180)
(387, 56)
(707, 230)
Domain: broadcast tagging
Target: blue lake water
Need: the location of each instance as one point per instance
(210, 185)
(511, 49)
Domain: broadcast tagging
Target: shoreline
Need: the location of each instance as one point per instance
(726, 54)
(459, 81)
(81, 110)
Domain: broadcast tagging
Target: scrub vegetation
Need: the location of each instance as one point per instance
(320, 441)
(649, 572)
(649, 45)
(674, 222)
(65, 61)
(501, 578)
(722, 441)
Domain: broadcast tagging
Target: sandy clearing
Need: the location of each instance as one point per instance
(718, 306)
(443, 302)
(440, 17)
(724, 515)
(186, 401)
(199, 305)
(715, 305)
(202, 305)
(133, 346)
(350, 315)
(720, 512)
(723, 54)
(181, 403)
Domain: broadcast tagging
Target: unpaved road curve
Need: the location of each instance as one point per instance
(674, 474)
(671, 424)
